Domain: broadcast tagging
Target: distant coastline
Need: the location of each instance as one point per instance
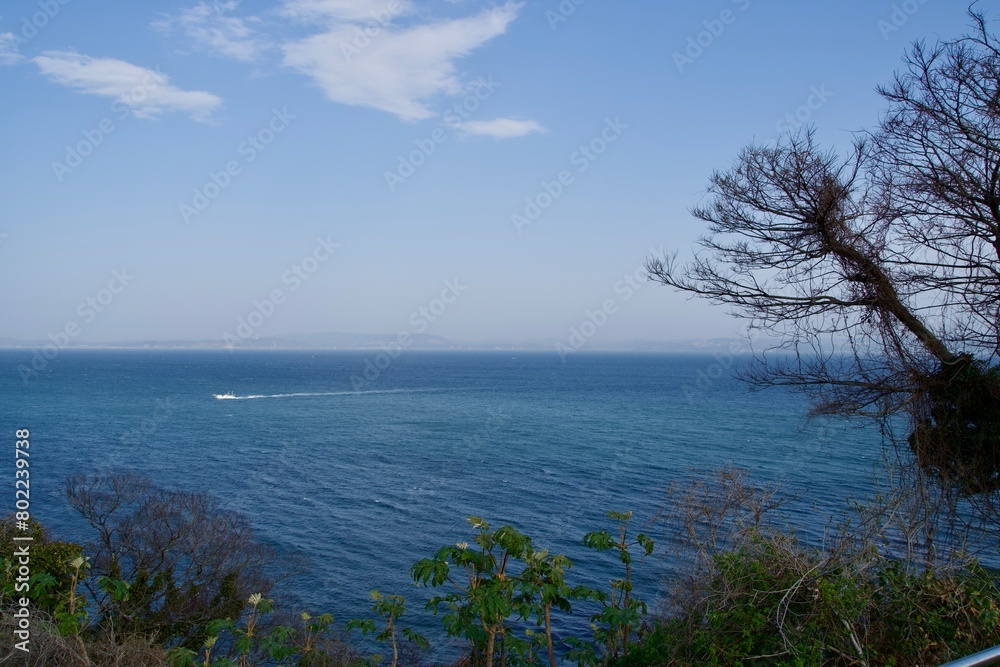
(349, 341)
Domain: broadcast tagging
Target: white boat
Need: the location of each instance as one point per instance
(226, 395)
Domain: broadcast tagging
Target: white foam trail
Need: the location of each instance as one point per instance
(324, 393)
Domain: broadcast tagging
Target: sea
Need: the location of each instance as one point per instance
(356, 464)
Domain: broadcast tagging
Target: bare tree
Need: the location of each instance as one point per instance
(187, 561)
(879, 271)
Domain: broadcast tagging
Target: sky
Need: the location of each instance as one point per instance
(483, 171)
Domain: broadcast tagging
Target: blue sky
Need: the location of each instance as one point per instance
(339, 165)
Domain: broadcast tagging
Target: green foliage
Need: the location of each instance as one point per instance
(958, 437)
(503, 583)
(544, 587)
(755, 597)
(51, 577)
(499, 584)
(54, 587)
(159, 602)
(621, 613)
(774, 603)
(480, 605)
(70, 612)
(933, 617)
(390, 608)
(255, 640)
(116, 589)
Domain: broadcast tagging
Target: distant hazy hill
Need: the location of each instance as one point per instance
(353, 341)
(336, 340)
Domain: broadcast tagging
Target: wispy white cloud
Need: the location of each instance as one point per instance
(346, 10)
(8, 49)
(500, 128)
(211, 27)
(397, 69)
(148, 93)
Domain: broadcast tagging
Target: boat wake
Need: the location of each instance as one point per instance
(233, 397)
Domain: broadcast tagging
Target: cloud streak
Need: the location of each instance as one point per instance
(345, 10)
(501, 128)
(148, 93)
(211, 28)
(8, 49)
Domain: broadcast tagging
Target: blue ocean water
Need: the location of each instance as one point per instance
(361, 484)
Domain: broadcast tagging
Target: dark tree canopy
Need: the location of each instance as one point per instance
(880, 270)
(187, 561)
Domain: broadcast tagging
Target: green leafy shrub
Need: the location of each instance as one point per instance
(256, 640)
(933, 617)
(753, 595)
(621, 613)
(498, 585)
(51, 575)
(769, 603)
(389, 608)
(482, 603)
(760, 611)
(504, 584)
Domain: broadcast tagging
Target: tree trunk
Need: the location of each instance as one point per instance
(886, 297)
(395, 649)
(489, 648)
(548, 635)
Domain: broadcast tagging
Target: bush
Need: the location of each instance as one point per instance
(957, 434)
(754, 595)
(51, 574)
(933, 617)
(771, 607)
(186, 561)
(260, 639)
